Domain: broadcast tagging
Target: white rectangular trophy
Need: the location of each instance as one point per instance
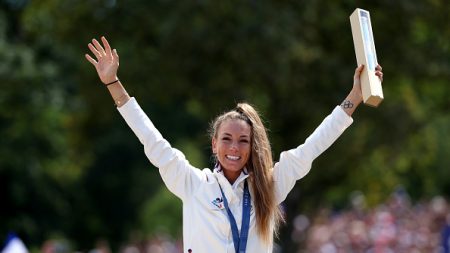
(365, 54)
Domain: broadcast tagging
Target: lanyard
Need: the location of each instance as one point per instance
(240, 243)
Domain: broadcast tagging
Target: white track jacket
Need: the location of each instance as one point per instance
(206, 227)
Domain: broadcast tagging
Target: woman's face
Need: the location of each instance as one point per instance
(232, 146)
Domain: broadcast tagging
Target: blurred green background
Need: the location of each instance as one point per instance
(70, 167)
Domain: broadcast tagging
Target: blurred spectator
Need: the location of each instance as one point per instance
(446, 236)
(102, 246)
(55, 246)
(14, 244)
(162, 244)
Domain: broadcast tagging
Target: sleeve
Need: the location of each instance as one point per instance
(296, 163)
(179, 176)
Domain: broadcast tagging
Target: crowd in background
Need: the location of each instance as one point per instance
(394, 226)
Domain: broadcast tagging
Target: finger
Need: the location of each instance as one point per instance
(379, 74)
(90, 59)
(99, 47)
(358, 70)
(115, 55)
(378, 67)
(94, 51)
(107, 46)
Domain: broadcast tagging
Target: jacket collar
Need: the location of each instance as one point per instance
(223, 181)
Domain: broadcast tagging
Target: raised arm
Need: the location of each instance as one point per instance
(296, 163)
(179, 176)
(106, 63)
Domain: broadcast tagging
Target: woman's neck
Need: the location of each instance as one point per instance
(232, 176)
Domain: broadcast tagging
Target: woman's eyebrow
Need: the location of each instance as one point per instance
(241, 136)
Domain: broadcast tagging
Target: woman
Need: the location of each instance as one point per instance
(235, 207)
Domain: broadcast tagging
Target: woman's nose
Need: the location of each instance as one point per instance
(234, 146)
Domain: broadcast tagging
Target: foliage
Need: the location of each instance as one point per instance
(70, 166)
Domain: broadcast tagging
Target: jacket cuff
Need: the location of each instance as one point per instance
(342, 117)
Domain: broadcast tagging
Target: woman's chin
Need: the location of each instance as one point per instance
(233, 168)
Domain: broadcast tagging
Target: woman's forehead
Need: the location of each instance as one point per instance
(233, 126)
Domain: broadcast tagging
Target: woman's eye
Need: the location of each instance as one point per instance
(226, 139)
(245, 141)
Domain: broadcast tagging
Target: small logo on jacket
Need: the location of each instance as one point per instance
(218, 202)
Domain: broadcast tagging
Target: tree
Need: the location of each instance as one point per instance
(187, 62)
(39, 168)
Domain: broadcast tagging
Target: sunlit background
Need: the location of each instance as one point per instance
(74, 178)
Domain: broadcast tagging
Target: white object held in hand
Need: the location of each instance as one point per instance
(363, 41)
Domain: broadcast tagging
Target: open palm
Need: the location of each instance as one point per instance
(106, 62)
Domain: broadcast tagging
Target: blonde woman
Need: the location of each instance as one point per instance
(235, 206)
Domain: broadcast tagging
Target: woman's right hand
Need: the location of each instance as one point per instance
(107, 61)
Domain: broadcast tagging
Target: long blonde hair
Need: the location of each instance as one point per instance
(260, 167)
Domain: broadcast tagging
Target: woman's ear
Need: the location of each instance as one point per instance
(213, 145)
